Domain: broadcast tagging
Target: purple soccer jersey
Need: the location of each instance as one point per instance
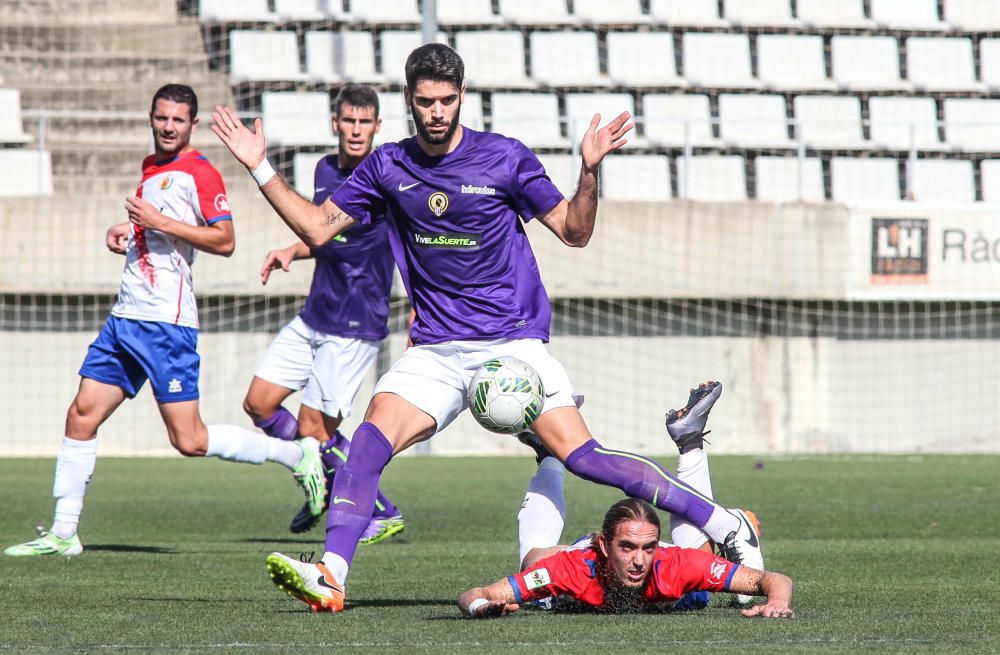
(463, 254)
(349, 296)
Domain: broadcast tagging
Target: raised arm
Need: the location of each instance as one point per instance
(776, 586)
(573, 221)
(315, 225)
(489, 602)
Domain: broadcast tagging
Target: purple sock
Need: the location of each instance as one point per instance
(280, 426)
(354, 489)
(640, 478)
(334, 453)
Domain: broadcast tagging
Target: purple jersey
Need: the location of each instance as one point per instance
(464, 256)
(349, 296)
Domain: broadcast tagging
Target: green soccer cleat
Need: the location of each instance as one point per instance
(381, 529)
(309, 475)
(47, 544)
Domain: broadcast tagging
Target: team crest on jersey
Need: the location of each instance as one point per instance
(166, 182)
(438, 203)
(221, 203)
(537, 578)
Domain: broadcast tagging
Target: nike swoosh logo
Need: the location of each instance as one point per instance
(321, 581)
(408, 186)
(338, 500)
(753, 536)
(549, 395)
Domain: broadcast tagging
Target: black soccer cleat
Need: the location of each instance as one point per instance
(531, 440)
(686, 426)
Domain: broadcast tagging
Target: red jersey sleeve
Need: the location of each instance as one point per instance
(680, 570)
(568, 572)
(212, 200)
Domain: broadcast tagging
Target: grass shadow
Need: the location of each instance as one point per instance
(129, 548)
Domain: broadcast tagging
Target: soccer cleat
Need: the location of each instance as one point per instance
(47, 544)
(309, 474)
(381, 529)
(531, 440)
(686, 426)
(304, 520)
(313, 584)
(742, 546)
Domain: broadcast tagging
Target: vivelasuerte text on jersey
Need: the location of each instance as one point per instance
(461, 250)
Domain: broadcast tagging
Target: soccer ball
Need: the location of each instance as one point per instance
(506, 395)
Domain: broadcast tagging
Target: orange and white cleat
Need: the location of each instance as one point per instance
(313, 584)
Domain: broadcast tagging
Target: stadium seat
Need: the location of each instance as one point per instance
(11, 127)
(973, 15)
(759, 13)
(654, 49)
(602, 12)
(263, 56)
(636, 177)
(719, 60)
(531, 117)
(970, 124)
(864, 181)
(824, 14)
(753, 121)
(233, 11)
(536, 12)
(581, 107)
(777, 179)
(907, 14)
(867, 63)
(665, 118)
(712, 178)
(466, 12)
(304, 171)
(301, 10)
(563, 170)
(990, 180)
(567, 59)
(395, 118)
(337, 57)
(942, 180)
(25, 172)
(792, 61)
(941, 64)
(895, 121)
(989, 62)
(829, 122)
(493, 59)
(686, 13)
(472, 111)
(396, 47)
(297, 119)
(393, 12)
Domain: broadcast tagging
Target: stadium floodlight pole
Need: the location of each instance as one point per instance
(430, 25)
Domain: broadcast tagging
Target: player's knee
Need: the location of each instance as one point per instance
(255, 408)
(189, 444)
(81, 416)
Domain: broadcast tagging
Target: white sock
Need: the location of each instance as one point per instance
(543, 512)
(338, 566)
(235, 444)
(74, 468)
(693, 470)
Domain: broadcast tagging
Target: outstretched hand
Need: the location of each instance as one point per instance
(495, 609)
(599, 142)
(770, 611)
(247, 145)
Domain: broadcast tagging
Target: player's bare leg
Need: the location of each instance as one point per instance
(263, 405)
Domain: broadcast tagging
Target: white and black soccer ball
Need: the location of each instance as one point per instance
(506, 395)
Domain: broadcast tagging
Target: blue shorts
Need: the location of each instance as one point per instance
(127, 352)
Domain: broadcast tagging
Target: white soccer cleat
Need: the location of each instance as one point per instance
(313, 584)
(743, 546)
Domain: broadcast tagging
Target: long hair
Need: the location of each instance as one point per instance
(628, 509)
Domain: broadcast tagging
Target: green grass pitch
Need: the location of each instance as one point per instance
(889, 555)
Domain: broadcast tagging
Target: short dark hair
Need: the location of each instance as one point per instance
(629, 509)
(179, 93)
(436, 62)
(356, 95)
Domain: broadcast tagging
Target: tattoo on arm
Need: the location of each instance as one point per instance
(339, 217)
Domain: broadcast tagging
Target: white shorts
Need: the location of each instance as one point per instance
(331, 369)
(436, 377)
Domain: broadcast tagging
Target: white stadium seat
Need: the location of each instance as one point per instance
(673, 120)
(566, 59)
(536, 12)
(336, 57)
(792, 61)
(895, 121)
(472, 111)
(563, 170)
(990, 180)
(711, 178)
(829, 122)
(297, 119)
(866, 63)
(777, 179)
(971, 124)
(642, 59)
(395, 118)
(531, 117)
(466, 12)
(942, 180)
(907, 14)
(25, 172)
(688, 13)
(989, 62)
(602, 12)
(304, 171)
(973, 15)
(232, 11)
(720, 60)
(300, 10)
(759, 13)
(375, 12)
(941, 64)
(636, 177)
(581, 107)
(493, 59)
(831, 15)
(11, 127)
(864, 181)
(753, 121)
(263, 56)
(396, 47)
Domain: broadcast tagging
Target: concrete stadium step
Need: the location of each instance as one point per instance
(100, 161)
(30, 67)
(139, 41)
(212, 89)
(87, 12)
